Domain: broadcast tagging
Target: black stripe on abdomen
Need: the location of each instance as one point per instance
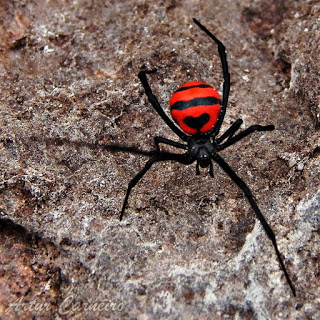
(208, 101)
(192, 87)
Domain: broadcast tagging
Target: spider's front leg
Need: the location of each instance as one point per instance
(161, 156)
(243, 186)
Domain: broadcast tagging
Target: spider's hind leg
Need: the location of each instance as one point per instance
(156, 105)
(226, 75)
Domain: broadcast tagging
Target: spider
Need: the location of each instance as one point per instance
(199, 111)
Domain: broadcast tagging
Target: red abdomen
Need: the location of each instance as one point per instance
(195, 107)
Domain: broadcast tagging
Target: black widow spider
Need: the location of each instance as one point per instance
(203, 146)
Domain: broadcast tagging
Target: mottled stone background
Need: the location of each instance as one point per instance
(189, 246)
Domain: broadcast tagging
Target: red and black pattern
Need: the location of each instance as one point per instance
(199, 111)
(195, 107)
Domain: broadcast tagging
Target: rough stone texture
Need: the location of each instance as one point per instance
(189, 246)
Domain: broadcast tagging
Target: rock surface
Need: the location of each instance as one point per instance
(189, 247)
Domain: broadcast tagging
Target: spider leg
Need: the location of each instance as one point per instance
(156, 105)
(242, 185)
(231, 131)
(233, 139)
(158, 140)
(226, 76)
(163, 156)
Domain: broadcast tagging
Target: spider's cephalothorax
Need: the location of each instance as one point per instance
(201, 148)
(199, 111)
